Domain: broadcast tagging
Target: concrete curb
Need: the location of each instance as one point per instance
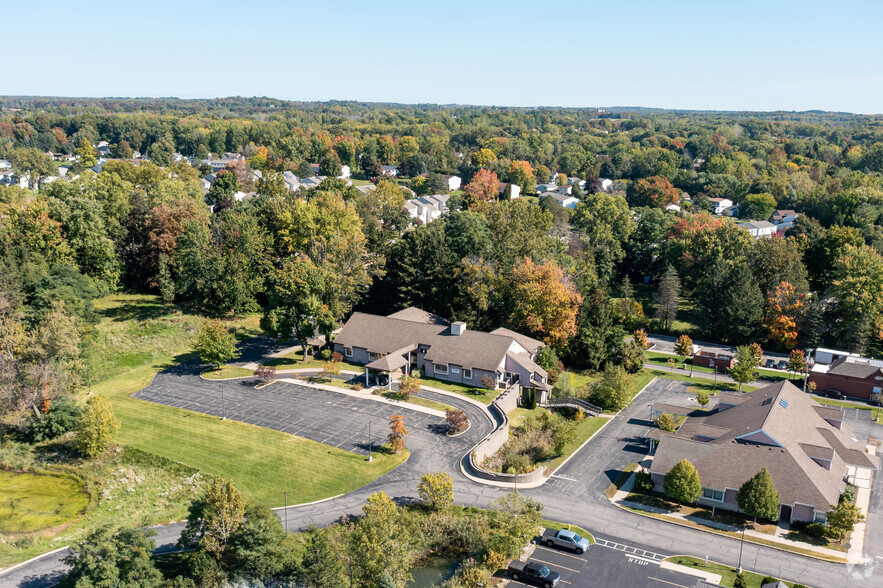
(707, 576)
(321, 500)
(33, 559)
(369, 396)
(842, 561)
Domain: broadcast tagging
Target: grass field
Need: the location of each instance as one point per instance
(477, 393)
(227, 371)
(35, 501)
(728, 574)
(613, 488)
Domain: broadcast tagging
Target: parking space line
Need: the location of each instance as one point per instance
(560, 553)
(548, 563)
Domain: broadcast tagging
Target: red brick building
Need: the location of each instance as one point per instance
(856, 377)
(721, 361)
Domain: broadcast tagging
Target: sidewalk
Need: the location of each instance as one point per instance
(853, 556)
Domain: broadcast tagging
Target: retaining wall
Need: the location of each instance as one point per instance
(492, 443)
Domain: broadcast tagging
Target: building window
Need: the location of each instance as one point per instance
(819, 517)
(348, 351)
(710, 494)
(373, 356)
(467, 373)
(440, 369)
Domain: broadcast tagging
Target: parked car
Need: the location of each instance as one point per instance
(565, 539)
(533, 572)
(770, 363)
(782, 365)
(835, 394)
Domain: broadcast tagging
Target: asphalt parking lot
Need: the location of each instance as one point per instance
(327, 417)
(610, 564)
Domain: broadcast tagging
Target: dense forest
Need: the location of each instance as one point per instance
(307, 259)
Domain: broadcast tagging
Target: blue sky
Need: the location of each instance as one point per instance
(715, 54)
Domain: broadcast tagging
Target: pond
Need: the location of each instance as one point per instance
(433, 572)
(29, 502)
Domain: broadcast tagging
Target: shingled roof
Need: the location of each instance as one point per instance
(470, 349)
(777, 427)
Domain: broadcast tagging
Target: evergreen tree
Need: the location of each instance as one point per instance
(758, 496)
(730, 304)
(108, 558)
(667, 297)
(321, 566)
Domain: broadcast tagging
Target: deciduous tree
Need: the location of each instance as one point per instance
(436, 489)
(397, 432)
(484, 185)
(114, 558)
(545, 301)
(784, 307)
(213, 518)
(682, 483)
(215, 344)
(746, 363)
(98, 428)
(684, 346)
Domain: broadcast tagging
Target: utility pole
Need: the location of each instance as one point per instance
(741, 546)
(223, 405)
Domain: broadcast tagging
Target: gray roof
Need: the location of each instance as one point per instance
(532, 345)
(798, 432)
(418, 315)
(387, 334)
(852, 369)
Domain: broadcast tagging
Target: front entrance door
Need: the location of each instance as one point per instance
(785, 514)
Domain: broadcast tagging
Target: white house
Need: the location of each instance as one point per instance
(759, 229)
(514, 190)
(427, 208)
(606, 184)
(719, 205)
(344, 172)
(673, 207)
(390, 170)
(453, 183)
(548, 187)
(784, 219)
(565, 200)
(5, 164)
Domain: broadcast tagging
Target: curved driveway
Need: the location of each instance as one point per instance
(575, 494)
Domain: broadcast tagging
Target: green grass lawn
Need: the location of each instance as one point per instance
(29, 502)
(701, 382)
(294, 361)
(228, 371)
(843, 404)
(477, 393)
(418, 400)
(584, 429)
(620, 480)
(728, 574)
(685, 322)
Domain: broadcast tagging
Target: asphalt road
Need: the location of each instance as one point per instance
(574, 495)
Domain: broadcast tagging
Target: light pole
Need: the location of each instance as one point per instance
(741, 546)
(370, 448)
(223, 406)
(714, 367)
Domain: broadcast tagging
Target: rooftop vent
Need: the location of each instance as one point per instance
(458, 328)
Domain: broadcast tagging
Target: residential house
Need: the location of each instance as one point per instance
(366, 188)
(784, 219)
(807, 448)
(574, 181)
(104, 150)
(564, 200)
(453, 183)
(547, 187)
(673, 207)
(606, 185)
(312, 182)
(719, 205)
(389, 171)
(221, 163)
(856, 377)
(345, 172)
(512, 191)
(427, 208)
(760, 229)
(315, 168)
(5, 164)
(413, 339)
(291, 181)
(566, 189)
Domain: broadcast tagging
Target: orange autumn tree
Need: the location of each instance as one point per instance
(784, 305)
(545, 301)
(484, 186)
(397, 432)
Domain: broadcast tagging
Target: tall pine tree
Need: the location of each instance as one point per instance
(667, 297)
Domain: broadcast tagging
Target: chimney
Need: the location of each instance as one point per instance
(458, 328)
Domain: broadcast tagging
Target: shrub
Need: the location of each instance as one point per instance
(457, 420)
(768, 580)
(63, 416)
(643, 482)
(667, 422)
(682, 483)
(848, 494)
(563, 435)
(518, 464)
(337, 356)
(265, 373)
(325, 354)
(530, 401)
(494, 561)
(579, 415)
(740, 581)
(488, 382)
(358, 386)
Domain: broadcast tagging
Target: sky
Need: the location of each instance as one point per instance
(688, 54)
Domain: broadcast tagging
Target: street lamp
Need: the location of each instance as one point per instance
(741, 546)
(713, 366)
(223, 405)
